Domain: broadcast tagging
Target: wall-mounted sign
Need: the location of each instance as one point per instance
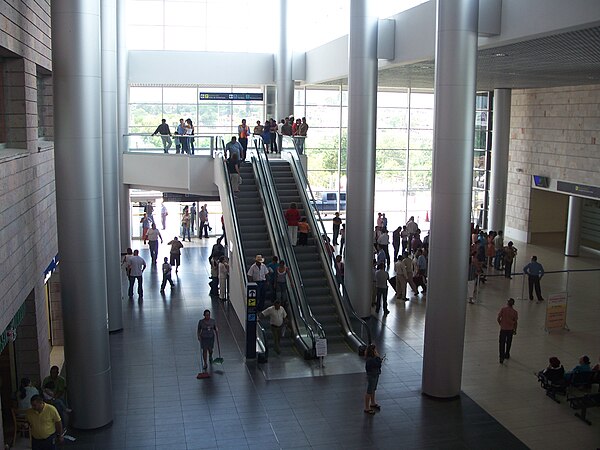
(232, 96)
(578, 189)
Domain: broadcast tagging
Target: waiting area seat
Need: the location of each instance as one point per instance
(20, 425)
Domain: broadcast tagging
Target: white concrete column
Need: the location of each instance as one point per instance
(573, 226)
(362, 123)
(283, 65)
(454, 128)
(79, 208)
(110, 164)
(499, 173)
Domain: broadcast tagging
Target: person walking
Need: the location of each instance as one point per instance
(136, 265)
(165, 135)
(153, 237)
(175, 253)
(207, 330)
(337, 223)
(277, 319)
(292, 216)
(507, 319)
(45, 424)
(373, 369)
(166, 271)
(534, 271)
(185, 224)
(192, 217)
(381, 283)
(342, 238)
(145, 221)
(163, 215)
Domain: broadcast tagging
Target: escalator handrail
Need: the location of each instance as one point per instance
(276, 240)
(237, 241)
(290, 257)
(318, 220)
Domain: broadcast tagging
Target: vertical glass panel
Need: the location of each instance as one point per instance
(148, 12)
(392, 118)
(479, 179)
(392, 139)
(299, 100)
(322, 180)
(419, 180)
(184, 14)
(145, 115)
(421, 100)
(482, 100)
(322, 159)
(145, 94)
(420, 160)
(421, 139)
(479, 160)
(214, 115)
(390, 160)
(323, 138)
(480, 139)
(323, 96)
(421, 118)
(392, 99)
(185, 38)
(324, 116)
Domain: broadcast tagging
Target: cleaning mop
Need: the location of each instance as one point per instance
(218, 360)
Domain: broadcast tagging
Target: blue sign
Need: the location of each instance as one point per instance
(232, 96)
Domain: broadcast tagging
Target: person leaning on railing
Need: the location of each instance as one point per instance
(165, 135)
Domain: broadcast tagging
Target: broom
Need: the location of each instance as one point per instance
(218, 360)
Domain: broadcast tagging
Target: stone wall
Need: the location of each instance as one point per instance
(553, 132)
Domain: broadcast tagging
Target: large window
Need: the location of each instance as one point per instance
(482, 158)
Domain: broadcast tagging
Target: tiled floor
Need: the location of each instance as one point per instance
(159, 403)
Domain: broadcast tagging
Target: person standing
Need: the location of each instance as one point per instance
(203, 221)
(223, 271)
(534, 271)
(303, 230)
(233, 147)
(510, 252)
(508, 319)
(337, 223)
(342, 238)
(257, 133)
(411, 229)
(258, 273)
(292, 216)
(190, 131)
(282, 273)
(396, 240)
(163, 215)
(301, 133)
(373, 369)
(383, 241)
(153, 237)
(166, 271)
(192, 216)
(401, 280)
(145, 226)
(277, 319)
(175, 253)
(499, 247)
(45, 424)
(185, 224)
(286, 128)
(340, 269)
(381, 283)
(273, 127)
(233, 167)
(137, 265)
(207, 330)
(180, 132)
(165, 135)
(243, 133)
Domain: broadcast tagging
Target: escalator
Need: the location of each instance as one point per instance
(322, 293)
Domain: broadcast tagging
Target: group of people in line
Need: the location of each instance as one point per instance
(268, 135)
(45, 409)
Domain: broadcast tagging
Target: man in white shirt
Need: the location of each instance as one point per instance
(136, 266)
(383, 242)
(277, 318)
(258, 273)
(411, 228)
(153, 236)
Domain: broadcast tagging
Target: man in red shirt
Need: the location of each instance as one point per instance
(292, 216)
(507, 318)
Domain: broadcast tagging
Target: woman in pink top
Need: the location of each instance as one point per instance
(292, 216)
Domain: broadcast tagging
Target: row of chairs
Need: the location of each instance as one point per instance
(579, 381)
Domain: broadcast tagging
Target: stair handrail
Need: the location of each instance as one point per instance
(317, 223)
(277, 241)
(237, 241)
(290, 256)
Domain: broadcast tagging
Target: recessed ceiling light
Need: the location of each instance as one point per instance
(499, 55)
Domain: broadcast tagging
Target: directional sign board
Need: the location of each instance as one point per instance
(251, 314)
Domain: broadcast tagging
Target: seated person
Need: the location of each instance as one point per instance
(25, 392)
(555, 372)
(583, 366)
(60, 385)
(49, 396)
(596, 368)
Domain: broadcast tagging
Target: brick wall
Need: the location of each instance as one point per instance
(553, 132)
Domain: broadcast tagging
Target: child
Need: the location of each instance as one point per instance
(373, 369)
(166, 270)
(303, 229)
(223, 273)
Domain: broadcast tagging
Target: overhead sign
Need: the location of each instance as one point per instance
(578, 189)
(556, 311)
(232, 96)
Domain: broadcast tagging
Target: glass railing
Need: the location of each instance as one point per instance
(285, 250)
(301, 327)
(353, 324)
(198, 144)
